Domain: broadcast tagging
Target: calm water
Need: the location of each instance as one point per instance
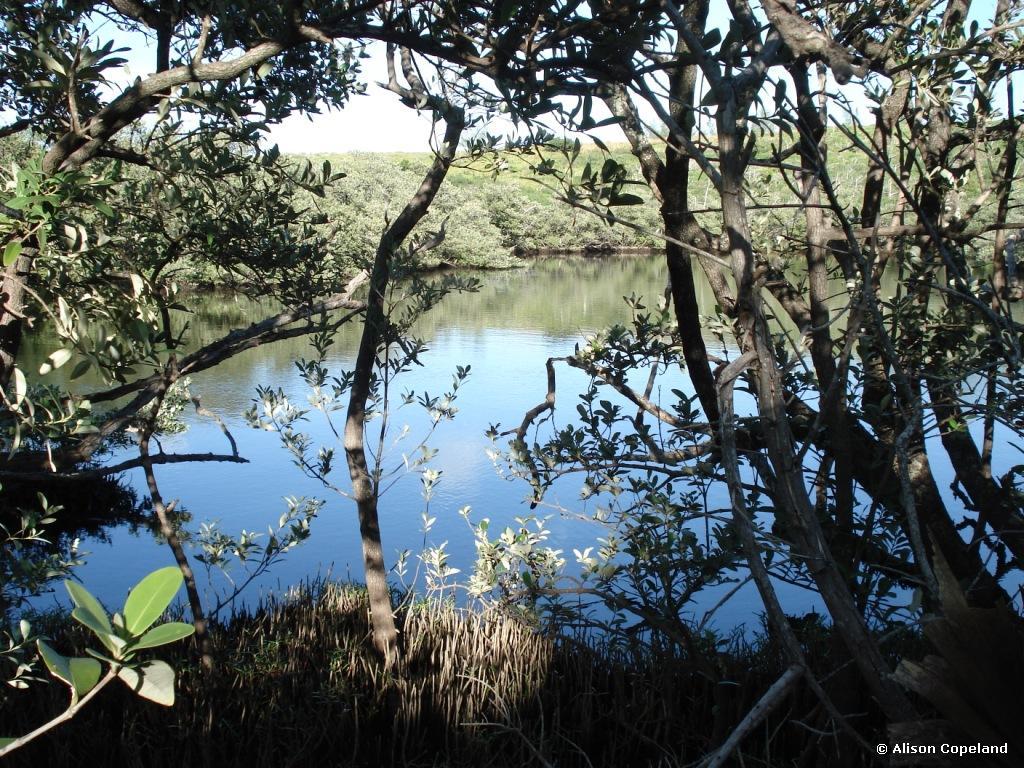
(506, 331)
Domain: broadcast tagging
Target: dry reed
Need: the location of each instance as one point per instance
(298, 684)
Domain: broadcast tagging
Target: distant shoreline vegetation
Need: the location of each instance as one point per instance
(489, 222)
(493, 221)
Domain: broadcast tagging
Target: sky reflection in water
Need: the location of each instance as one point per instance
(506, 331)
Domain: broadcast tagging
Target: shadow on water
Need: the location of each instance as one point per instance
(87, 509)
(88, 506)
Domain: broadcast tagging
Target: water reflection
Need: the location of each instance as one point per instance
(506, 331)
(82, 510)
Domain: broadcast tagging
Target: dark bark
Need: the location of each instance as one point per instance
(1004, 286)
(669, 179)
(832, 386)
(874, 467)
(802, 526)
(994, 504)
(163, 512)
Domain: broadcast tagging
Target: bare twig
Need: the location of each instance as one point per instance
(769, 700)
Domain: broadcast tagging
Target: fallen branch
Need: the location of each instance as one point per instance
(163, 458)
(764, 706)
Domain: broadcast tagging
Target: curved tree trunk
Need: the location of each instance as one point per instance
(364, 486)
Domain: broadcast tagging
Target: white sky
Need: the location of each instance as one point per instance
(377, 121)
(374, 121)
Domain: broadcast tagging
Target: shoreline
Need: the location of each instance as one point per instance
(520, 253)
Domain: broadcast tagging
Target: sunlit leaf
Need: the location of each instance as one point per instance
(20, 387)
(164, 634)
(153, 681)
(85, 673)
(149, 599)
(58, 665)
(11, 252)
(55, 361)
(88, 605)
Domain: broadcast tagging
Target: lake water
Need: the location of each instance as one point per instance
(505, 331)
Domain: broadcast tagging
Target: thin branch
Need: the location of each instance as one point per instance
(204, 34)
(124, 466)
(269, 330)
(16, 127)
(63, 717)
(764, 707)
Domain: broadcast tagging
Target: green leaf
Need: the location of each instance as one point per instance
(51, 63)
(712, 38)
(81, 369)
(85, 673)
(4, 741)
(164, 634)
(153, 681)
(58, 665)
(20, 387)
(102, 658)
(114, 644)
(89, 620)
(626, 199)
(163, 109)
(87, 604)
(18, 203)
(80, 674)
(150, 598)
(507, 11)
(60, 356)
(137, 284)
(55, 361)
(11, 252)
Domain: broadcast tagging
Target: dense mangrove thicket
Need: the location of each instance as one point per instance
(298, 684)
(842, 177)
